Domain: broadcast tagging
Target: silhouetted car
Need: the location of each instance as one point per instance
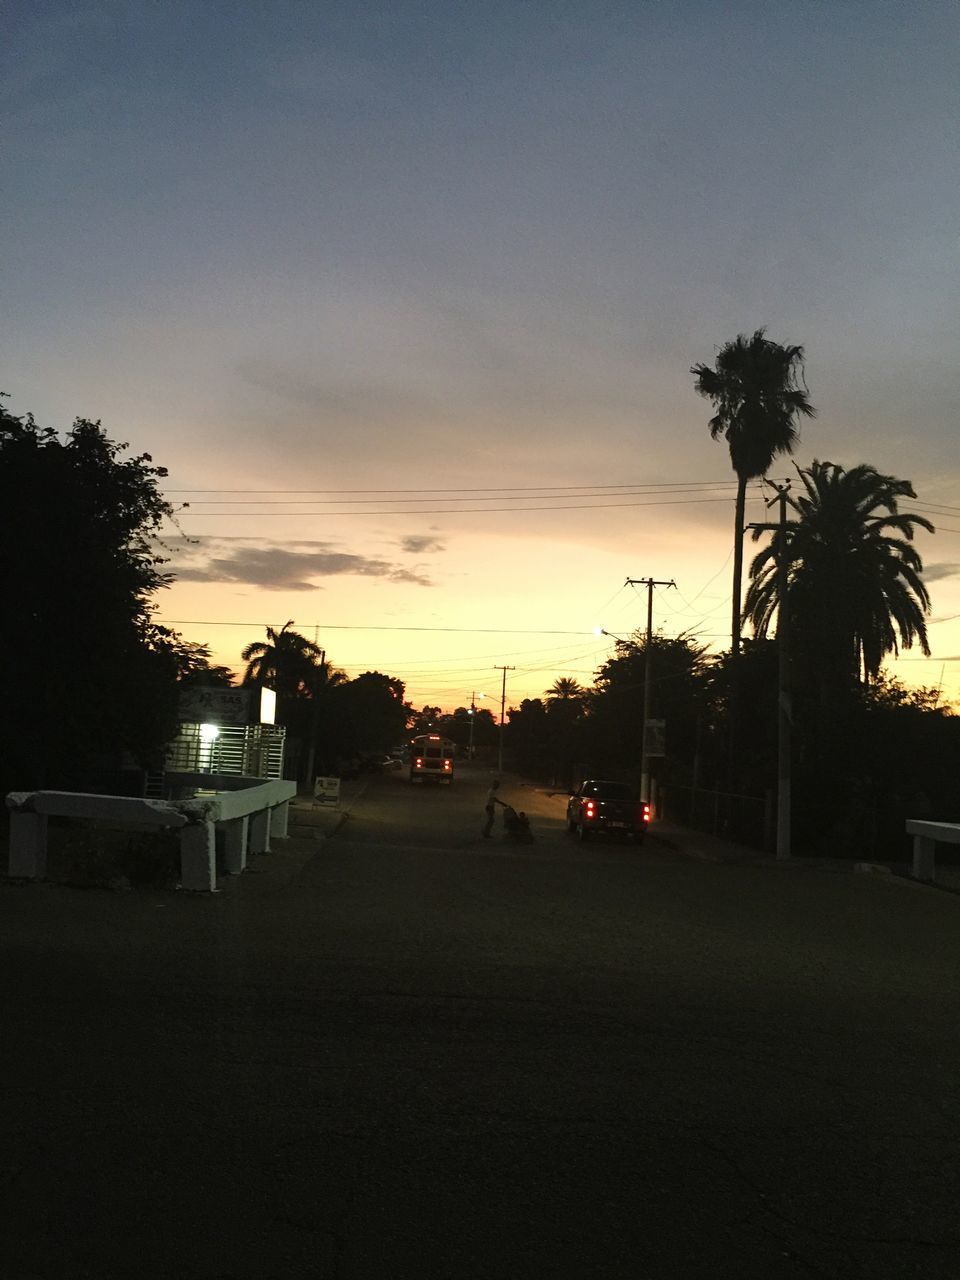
(612, 807)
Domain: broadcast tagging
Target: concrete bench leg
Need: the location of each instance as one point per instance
(198, 857)
(278, 821)
(235, 845)
(260, 831)
(28, 846)
(924, 857)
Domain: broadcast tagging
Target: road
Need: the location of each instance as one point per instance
(409, 1051)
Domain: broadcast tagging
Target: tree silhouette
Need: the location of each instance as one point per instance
(84, 672)
(855, 592)
(194, 666)
(758, 393)
(287, 660)
(566, 690)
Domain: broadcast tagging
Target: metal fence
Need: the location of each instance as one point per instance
(253, 751)
(744, 819)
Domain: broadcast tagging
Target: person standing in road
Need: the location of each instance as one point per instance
(492, 800)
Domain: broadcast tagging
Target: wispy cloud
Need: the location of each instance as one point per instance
(417, 544)
(281, 568)
(940, 570)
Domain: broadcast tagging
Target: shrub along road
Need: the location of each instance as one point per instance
(405, 1050)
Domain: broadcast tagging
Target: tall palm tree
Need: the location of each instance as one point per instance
(854, 589)
(758, 391)
(287, 659)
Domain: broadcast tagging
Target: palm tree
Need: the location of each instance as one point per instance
(855, 592)
(287, 659)
(758, 392)
(565, 690)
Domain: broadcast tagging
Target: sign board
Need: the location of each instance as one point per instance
(656, 738)
(326, 791)
(211, 704)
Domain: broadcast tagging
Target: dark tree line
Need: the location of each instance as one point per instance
(334, 725)
(87, 679)
(880, 754)
(867, 752)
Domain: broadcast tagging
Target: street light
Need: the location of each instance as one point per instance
(473, 713)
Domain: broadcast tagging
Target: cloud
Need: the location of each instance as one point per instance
(280, 568)
(417, 544)
(943, 569)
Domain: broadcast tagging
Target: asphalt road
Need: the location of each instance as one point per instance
(405, 1051)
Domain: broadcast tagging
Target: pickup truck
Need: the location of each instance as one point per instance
(613, 807)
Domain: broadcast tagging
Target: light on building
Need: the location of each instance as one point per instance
(208, 732)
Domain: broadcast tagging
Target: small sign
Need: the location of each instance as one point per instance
(211, 704)
(326, 791)
(656, 743)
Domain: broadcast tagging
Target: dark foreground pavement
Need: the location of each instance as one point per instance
(367, 1058)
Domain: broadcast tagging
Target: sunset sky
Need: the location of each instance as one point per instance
(405, 297)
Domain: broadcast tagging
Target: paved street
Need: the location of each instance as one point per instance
(403, 1050)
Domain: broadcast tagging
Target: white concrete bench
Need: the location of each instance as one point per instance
(926, 836)
(248, 818)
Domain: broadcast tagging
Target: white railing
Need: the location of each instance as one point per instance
(248, 818)
(926, 836)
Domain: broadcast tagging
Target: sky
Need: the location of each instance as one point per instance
(405, 298)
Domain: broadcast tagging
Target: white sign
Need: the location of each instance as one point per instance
(326, 791)
(268, 706)
(209, 704)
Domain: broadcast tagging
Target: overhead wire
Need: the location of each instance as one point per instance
(435, 511)
(511, 488)
(490, 496)
(335, 626)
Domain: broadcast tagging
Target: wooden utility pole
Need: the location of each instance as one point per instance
(649, 583)
(315, 719)
(503, 703)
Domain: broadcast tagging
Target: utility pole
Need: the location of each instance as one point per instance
(315, 719)
(503, 703)
(649, 583)
(785, 710)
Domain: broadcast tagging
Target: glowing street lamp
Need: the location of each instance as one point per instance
(472, 713)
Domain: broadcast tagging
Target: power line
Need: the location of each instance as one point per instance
(513, 488)
(335, 626)
(449, 511)
(582, 491)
